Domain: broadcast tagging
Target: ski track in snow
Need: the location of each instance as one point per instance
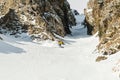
(25, 60)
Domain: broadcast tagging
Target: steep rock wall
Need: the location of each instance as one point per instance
(40, 18)
(104, 16)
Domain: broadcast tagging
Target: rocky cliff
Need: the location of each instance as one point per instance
(40, 18)
(103, 16)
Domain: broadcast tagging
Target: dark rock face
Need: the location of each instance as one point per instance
(10, 22)
(40, 18)
(89, 27)
(76, 12)
(104, 17)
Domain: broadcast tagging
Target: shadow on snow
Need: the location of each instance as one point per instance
(6, 48)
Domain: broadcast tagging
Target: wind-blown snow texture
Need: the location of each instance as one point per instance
(22, 59)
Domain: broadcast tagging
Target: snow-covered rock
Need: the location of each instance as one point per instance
(105, 19)
(42, 18)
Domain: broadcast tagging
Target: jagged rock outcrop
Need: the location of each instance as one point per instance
(40, 18)
(104, 17)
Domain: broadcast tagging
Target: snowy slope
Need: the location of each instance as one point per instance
(78, 5)
(22, 59)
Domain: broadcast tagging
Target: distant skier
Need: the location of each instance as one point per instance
(60, 43)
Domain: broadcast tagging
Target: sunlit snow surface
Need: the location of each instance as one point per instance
(22, 59)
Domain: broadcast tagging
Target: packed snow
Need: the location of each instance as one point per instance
(22, 59)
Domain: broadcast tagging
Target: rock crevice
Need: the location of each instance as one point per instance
(104, 16)
(40, 18)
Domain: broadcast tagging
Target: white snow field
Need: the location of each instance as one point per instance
(78, 5)
(22, 59)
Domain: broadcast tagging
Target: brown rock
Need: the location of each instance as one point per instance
(40, 18)
(105, 19)
(100, 58)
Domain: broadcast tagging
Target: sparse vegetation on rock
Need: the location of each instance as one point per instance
(104, 16)
(40, 18)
